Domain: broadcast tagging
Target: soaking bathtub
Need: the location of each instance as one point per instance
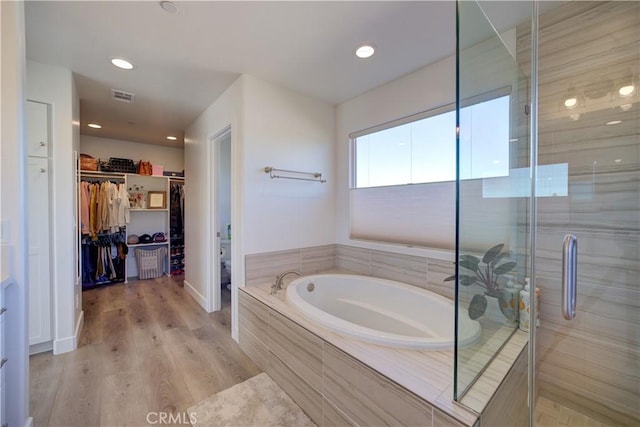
(380, 311)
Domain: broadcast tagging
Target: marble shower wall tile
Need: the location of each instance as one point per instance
(592, 361)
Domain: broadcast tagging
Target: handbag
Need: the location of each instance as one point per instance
(144, 168)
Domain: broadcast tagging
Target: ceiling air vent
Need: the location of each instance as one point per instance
(122, 96)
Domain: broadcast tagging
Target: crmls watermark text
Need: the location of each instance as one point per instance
(171, 418)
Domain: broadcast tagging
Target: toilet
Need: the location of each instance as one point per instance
(225, 260)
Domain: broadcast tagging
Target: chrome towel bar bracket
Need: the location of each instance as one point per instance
(298, 175)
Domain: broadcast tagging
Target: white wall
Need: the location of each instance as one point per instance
(171, 158)
(13, 235)
(286, 130)
(427, 88)
(270, 126)
(200, 217)
(54, 85)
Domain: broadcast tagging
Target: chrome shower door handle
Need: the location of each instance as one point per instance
(569, 276)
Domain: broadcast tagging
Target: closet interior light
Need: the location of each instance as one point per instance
(172, 138)
(94, 125)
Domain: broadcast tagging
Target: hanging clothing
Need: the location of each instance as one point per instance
(104, 207)
(176, 197)
(103, 259)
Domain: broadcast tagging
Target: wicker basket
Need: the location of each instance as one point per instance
(150, 262)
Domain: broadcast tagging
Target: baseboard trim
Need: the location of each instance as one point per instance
(68, 344)
(197, 296)
(40, 348)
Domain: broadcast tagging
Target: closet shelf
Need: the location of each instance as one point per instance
(137, 245)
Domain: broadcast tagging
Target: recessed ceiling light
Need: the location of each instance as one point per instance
(365, 51)
(571, 102)
(627, 90)
(169, 7)
(618, 160)
(172, 138)
(94, 125)
(613, 122)
(122, 63)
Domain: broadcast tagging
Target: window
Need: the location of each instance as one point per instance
(421, 149)
(403, 173)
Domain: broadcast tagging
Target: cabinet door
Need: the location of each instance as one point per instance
(39, 264)
(37, 130)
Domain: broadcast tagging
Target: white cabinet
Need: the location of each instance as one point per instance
(39, 257)
(37, 130)
(39, 208)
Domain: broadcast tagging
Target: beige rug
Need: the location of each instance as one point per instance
(258, 401)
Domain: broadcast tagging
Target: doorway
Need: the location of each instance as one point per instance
(222, 227)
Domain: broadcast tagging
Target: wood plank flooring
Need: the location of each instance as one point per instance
(146, 346)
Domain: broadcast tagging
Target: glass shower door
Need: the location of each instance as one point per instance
(588, 368)
(493, 201)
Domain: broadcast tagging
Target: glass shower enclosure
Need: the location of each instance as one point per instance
(571, 138)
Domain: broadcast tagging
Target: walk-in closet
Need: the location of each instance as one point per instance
(131, 227)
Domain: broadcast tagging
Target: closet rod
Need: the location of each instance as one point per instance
(89, 174)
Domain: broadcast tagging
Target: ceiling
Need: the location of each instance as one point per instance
(184, 61)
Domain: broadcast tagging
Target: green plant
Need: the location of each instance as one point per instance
(484, 273)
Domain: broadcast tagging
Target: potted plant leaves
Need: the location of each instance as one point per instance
(484, 272)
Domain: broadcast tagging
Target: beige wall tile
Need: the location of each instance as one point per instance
(298, 348)
(440, 419)
(509, 403)
(334, 417)
(437, 271)
(317, 258)
(379, 401)
(263, 268)
(353, 259)
(402, 268)
(253, 316)
(297, 388)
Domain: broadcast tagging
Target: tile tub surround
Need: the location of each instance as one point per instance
(318, 369)
(424, 272)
